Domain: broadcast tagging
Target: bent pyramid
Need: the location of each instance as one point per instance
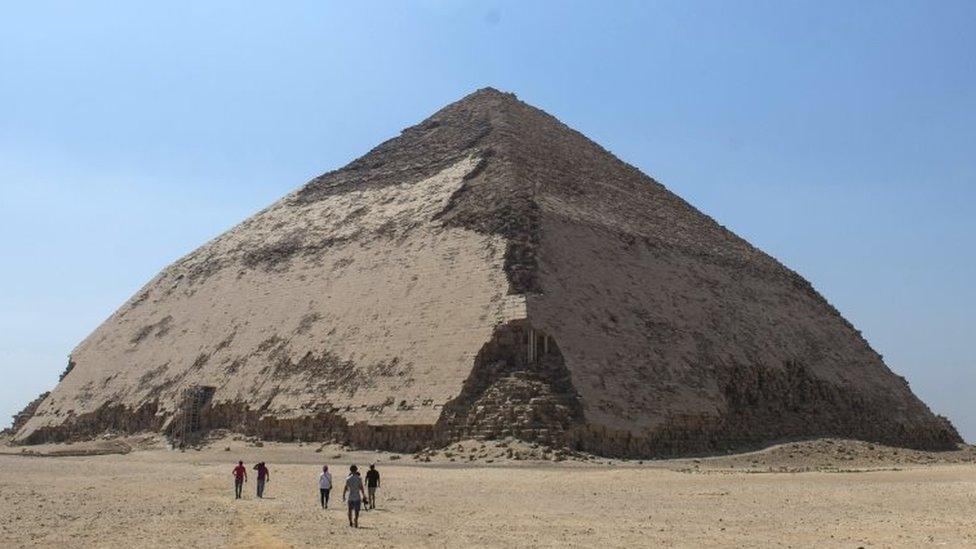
(489, 272)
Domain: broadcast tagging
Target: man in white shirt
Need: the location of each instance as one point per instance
(325, 486)
(354, 487)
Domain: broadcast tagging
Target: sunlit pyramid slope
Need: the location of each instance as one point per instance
(490, 272)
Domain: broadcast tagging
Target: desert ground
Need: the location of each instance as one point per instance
(135, 492)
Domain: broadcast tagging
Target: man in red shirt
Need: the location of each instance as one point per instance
(240, 477)
(264, 475)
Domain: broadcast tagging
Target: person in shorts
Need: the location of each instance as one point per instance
(356, 492)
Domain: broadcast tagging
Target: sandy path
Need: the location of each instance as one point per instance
(167, 499)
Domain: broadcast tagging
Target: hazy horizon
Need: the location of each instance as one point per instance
(839, 138)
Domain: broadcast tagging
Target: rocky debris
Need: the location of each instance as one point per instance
(67, 370)
(825, 455)
(104, 444)
(504, 450)
(21, 417)
(508, 395)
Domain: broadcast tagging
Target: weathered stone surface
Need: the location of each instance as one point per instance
(488, 273)
(20, 419)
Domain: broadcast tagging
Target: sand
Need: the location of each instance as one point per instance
(846, 495)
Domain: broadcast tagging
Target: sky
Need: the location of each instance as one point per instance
(839, 137)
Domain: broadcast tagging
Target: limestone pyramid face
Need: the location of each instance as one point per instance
(489, 272)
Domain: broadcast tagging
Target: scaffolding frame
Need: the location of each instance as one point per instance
(195, 398)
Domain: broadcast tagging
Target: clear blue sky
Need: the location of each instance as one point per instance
(839, 137)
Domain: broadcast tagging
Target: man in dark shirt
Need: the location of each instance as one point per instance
(372, 483)
(263, 476)
(240, 477)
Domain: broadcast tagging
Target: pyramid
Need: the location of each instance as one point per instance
(488, 273)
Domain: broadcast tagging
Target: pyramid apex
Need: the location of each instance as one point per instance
(488, 92)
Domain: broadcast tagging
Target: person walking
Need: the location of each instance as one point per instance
(356, 492)
(372, 483)
(240, 477)
(325, 486)
(264, 475)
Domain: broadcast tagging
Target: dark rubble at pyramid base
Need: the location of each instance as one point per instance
(527, 394)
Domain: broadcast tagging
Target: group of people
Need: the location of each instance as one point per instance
(357, 493)
(240, 477)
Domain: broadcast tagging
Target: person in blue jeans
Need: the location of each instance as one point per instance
(264, 475)
(240, 477)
